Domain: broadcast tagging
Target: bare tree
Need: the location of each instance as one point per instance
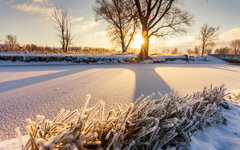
(160, 18)
(174, 51)
(197, 50)
(209, 47)
(63, 27)
(223, 50)
(190, 52)
(120, 16)
(208, 36)
(235, 45)
(11, 41)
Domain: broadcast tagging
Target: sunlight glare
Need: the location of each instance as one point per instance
(138, 41)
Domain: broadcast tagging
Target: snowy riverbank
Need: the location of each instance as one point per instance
(8, 58)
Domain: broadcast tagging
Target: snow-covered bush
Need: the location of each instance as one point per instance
(146, 124)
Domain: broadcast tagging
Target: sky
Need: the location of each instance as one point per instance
(30, 21)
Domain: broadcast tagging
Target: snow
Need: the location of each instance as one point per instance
(187, 78)
(218, 137)
(13, 144)
(57, 58)
(26, 91)
(58, 55)
(61, 58)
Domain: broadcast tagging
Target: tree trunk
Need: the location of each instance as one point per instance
(63, 38)
(203, 45)
(123, 45)
(203, 48)
(122, 41)
(145, 46)
(66, 47)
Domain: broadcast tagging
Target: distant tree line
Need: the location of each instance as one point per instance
(11, 45)
(208, 36)
(233, 49)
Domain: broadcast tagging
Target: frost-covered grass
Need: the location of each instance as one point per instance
(218, 137)
(145, 124)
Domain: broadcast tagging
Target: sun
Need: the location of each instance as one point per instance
(138, 41)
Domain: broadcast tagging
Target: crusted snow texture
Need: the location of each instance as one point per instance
(234, 95)
(168, 122)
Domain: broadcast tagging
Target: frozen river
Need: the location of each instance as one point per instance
(26, 91)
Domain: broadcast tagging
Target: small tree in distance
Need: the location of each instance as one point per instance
(208, 36)
(210, 47)
(11, 41)
(196, 50)
(235, 45)
(223, 50)
(63, 26)
(174, 51)
(190, 52)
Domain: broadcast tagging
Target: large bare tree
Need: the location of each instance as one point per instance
(63, 26)
(119, 14)
(11, 41)
(235, 45)
(160, 18)
(208, 36)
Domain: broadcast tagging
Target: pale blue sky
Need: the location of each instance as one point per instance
(29, 20)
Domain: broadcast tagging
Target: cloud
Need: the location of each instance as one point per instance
(9, 2)
(42, 7)
(40, 1)
(84, 26)
(33, 9)
(78, 19)
(95, 39)
(230, 35)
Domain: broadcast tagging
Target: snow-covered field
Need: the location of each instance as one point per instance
(26, 91)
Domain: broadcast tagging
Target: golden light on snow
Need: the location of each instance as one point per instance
(138, 41)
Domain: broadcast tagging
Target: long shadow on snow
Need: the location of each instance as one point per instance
(14, 84)
(148, 81)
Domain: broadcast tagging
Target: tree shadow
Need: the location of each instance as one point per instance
(148, 81)
(219, 67)
(213, 66)
(19, 83)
